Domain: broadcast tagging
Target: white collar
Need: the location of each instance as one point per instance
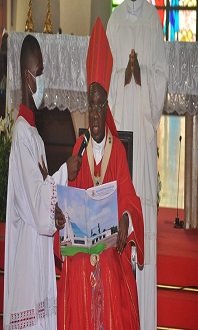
(98, 149)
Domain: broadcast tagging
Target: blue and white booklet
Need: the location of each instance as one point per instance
(91, 218)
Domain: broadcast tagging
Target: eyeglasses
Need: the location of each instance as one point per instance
(99, 107)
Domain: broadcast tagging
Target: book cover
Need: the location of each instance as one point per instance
(91, 218)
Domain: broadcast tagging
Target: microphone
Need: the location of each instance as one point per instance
(178, 223)
(84, 143)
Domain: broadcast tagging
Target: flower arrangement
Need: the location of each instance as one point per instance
(6, 126)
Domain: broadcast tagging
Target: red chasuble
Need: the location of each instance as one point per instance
(104, 297)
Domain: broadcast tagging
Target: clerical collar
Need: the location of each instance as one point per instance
(98, 149)
(27, 114)
(134, 9)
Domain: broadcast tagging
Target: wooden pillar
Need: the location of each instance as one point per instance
(191, 172)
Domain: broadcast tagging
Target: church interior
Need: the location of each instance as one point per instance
(63, 28)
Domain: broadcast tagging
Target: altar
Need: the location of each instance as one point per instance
(64, 59)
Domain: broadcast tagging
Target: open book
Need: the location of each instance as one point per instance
(91, 218)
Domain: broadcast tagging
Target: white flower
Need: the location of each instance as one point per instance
(6, 125)
(1, 128)
(3, 124)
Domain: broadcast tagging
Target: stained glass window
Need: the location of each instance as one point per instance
(178, 17)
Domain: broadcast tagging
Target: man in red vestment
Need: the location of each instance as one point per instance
(101, 294)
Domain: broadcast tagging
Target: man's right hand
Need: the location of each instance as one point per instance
(73, 166)
(128, 72)
(43, 168)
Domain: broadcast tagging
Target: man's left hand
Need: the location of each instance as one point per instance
(122, 233)
(136, 68)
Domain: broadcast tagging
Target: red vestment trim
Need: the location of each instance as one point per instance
(27, 114)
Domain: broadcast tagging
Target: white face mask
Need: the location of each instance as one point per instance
(38, 95)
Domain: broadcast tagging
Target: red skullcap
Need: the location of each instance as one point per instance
(99, 64)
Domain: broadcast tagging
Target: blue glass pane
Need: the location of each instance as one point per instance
(182, 25)
(173, 20)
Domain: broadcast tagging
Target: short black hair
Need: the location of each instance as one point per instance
(29, 47)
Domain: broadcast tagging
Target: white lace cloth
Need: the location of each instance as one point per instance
(64, 59)
(183, 77)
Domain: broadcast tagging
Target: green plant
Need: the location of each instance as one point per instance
(6, 125)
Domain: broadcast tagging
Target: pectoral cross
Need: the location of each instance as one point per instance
(97, 179)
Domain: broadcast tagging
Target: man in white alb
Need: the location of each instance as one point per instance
(30, 280)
